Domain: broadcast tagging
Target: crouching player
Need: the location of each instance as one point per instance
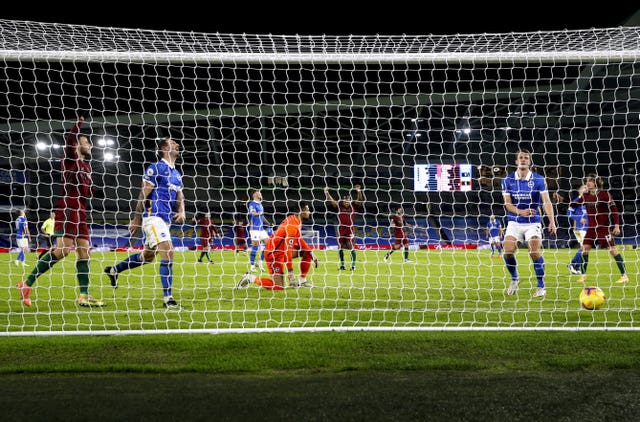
(285, 245)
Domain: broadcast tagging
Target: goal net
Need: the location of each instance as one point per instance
(379, 131)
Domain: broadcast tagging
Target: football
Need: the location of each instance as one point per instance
(592, 298)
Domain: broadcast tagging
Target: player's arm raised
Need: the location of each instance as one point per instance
(330, 198)
(360, 196)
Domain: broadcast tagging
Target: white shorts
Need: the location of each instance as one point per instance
(579, 234)
(494, 239)
(258, 235)
(155, 231)
(23, 243)
(523, 232)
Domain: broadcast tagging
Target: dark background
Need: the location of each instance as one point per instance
(336, 18)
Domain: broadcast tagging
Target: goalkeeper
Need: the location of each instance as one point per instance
(285, 245)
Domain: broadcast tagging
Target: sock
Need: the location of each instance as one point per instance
(252, 256)
(207, 255)
(493, 248)
(82, 272)
(353, 258)
(538, 268)
(305, 264)
(512, 266)
(585, 263)
(267, 283)
(406, 253)
(201, 256)
(620, 264)
(166, 276)
(129, 263)
(389, 253)
(576, 261)
(341, 255)
(43, 265)
(500, 249)
(21, 256)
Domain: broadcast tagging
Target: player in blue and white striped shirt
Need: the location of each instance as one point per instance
(524, 193)
(160, 203)
(23, 237)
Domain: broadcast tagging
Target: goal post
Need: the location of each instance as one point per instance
(312, 237)
(427, 125)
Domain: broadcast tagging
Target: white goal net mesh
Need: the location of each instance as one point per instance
(424, 127)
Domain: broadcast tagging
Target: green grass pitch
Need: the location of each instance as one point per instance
(437, 289)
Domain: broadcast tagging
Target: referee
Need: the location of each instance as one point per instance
(47, 229)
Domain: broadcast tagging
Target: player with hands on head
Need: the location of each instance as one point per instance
(347, 210)
(160, 203)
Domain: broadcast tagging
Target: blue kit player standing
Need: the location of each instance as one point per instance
(257, 231)
(524, 193)
(494, 234)
(160, 202)
(23, 237)
(579, 218)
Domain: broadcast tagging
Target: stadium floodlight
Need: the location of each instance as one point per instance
(106, 142)
(109, 156)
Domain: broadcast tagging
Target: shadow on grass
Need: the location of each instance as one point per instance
(345, 396)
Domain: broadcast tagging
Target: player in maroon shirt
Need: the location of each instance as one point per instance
(346, 217)
(207, 230)
(602, 211)
(71, 228)
(399, 227)
(240, 238)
